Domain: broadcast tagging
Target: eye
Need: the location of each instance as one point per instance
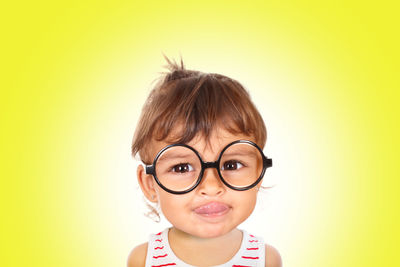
(231, 165)
(182, 168)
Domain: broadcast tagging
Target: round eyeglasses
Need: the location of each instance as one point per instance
(178, 168)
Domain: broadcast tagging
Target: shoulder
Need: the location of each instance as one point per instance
(272, 257)
(137, 257)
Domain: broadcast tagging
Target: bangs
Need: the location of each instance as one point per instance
(198, 111)
(188, 103)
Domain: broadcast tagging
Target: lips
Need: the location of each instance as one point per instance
(212, 209)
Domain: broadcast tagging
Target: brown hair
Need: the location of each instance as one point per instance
(197, 101)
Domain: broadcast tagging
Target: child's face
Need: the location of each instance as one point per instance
(190, 212)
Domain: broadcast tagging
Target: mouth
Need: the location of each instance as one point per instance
(212, 209)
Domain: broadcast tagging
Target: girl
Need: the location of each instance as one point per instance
(200, 138)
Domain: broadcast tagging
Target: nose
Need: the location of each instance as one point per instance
(211, 184)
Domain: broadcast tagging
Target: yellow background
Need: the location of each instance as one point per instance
(74, 75)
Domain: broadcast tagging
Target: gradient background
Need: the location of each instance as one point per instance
(74, 75)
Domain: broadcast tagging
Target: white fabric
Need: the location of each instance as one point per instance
(160, 254)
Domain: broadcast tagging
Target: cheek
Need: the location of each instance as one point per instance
(247, 199)
(251, 204)
(172, 204)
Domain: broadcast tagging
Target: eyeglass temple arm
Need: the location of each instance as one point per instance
(149, 169)
(268, 162)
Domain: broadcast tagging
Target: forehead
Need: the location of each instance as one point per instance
(208, 147)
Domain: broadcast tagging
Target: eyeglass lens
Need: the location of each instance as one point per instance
(178, 168)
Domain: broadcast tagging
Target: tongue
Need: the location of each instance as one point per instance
(211, 208)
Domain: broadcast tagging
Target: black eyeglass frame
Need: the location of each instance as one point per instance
(267, 162)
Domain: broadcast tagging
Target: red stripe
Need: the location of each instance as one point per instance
(240, 266)
(159, 247)
(252, 235)
(158, 240)
(250, 258)
(161, 256)
(159, 233)
(162, 265)
(251, 248)
(251, 241)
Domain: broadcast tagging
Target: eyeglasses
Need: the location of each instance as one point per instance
(178, 168)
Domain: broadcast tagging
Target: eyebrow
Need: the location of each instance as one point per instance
(176, 155)
(183, 155)
(241, 153)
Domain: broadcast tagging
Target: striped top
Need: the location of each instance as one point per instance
(160, 254)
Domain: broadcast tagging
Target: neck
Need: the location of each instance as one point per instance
(193, 249)
(179, 235)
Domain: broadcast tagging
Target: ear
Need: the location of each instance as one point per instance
(146, 182)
